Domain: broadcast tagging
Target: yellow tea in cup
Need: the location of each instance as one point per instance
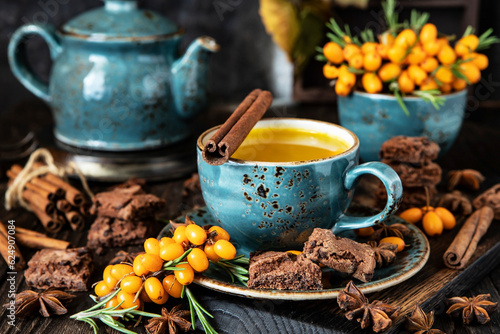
(287, 144)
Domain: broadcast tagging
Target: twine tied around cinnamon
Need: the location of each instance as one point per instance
(13, 195)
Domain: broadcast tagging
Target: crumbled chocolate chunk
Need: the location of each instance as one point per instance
(67, 269)
(415, 150)
(283, 271)
(342, 254)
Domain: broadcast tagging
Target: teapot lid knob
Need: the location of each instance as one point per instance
(120, 5)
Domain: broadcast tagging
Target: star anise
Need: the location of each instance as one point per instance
(172, 320)
(123, 257)
(476, 307)
(468, 178)
(385, 253)
(47, 302)
(395, 230)
(456, 202)
(421, 323)
(377, 314)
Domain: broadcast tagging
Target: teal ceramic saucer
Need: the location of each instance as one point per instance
(407, 264)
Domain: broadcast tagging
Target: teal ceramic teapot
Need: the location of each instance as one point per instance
(117, 82)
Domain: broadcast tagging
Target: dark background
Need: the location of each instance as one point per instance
(246, 57)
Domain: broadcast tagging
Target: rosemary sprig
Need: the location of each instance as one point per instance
(170, 265)
(195, 307)
(486, 40)
(233, 268)
(391, 16)
(433, 96)
(106, 315)
(394, 87)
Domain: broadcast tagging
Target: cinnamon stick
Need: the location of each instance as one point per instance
(236, 128)
(63, 205)
(30, 232)
(75, 220)
(57, 191)
(37, 201)
(12, 257)
(52, 225)
(32, 241)
(72, 195)
(42, 191)
(463, 246)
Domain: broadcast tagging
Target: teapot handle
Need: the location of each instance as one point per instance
(18, 61)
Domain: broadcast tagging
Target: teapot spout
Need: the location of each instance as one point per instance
(189, 77)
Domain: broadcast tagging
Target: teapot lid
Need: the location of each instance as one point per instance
(119, 19)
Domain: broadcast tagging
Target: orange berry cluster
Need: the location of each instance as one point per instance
(434, 220)
(141, 281)
(416, 60)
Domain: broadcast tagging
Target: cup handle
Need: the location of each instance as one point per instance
(392, 184)
(18, 62)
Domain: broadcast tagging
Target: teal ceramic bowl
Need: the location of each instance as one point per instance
(376, 118)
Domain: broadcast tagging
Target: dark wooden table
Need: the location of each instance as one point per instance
(476, 147)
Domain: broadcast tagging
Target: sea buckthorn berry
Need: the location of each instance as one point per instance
(480, 60)
(113, 302)
(466, 44)
(152, 262)
(180, 235)
(459, 84)
(432, 224)
(154, 289)
(372, 61)
(101, 289)
(225, 249)
(429, 84)
(185, 276)
(447, 55)
(386, 38)
(198, 260)
(364, 232)
(413, 215)
(347, 39)
(152, 246)
(406, 85)
(333, 52)
(356, 61)
(426, 209)
(395, 241)
(417, 75)
(196, 234)
(346, 77)
(405, 39)
(128, 300)
(432, 48)
(471, 72)
(221, 233)
(416, 55)
(444, 74)
(210, 251)
(330, 71)
(139, 268)
(396, 54)
(120, 270)
(144, 296)
(429, 64)
(171, 252)
(383, 50)
(294, 252)
(369, 47)
(350, 50)
(371, 83)
(342, 89)
(428, 33)
(110, 281)
(447, 218)
(445, 88)
(389, 72)
(131, 284)
(172, 286)
(107, 271)
(165, 241)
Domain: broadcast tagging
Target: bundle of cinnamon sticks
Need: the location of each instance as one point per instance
(53, 200)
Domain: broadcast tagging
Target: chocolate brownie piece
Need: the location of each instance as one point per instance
(67, 269)
(342, 254)
(414, 150)
(109, 232)
(127, 204)
(427, 174)
(283, 271)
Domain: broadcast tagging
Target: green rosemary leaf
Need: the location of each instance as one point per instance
(468, 31)
(401, 103)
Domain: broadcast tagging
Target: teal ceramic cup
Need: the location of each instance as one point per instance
(269, 205)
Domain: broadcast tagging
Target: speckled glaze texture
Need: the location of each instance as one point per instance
(376, 118)
(277, 205)
(118, 83)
